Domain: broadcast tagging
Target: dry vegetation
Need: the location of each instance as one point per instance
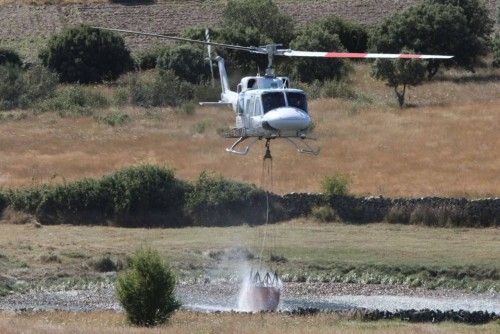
(188, 322)
(66, 251)
(445, 145)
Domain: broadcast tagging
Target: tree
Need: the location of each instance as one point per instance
(254, 23)
(146, 290)
(496, 51)
(353, 36)
(87, 55)
(399, 74)
(315, 37)
(9, 57)
(186, 61)
(436, 28)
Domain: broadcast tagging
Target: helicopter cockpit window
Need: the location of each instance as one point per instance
(297, 100)
(272, 101)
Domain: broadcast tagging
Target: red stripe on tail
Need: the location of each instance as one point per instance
(345, 55)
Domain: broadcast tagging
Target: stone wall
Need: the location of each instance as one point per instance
(428, 211)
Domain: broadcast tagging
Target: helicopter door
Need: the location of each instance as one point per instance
(257, 113)
(247, 114)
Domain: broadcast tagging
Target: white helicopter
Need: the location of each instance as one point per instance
(266, 107)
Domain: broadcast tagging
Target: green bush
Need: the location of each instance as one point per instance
(136, 196)
(75, 99)
(3, 201)
(147, 290)
(335, 185)
(323, 213)
(9, 57)
(87, 55)
(398, 214)
(23, 88)
(147, 59)
(114, 118)
(459, 28)
(315, 37)
(253, 23)
(353, 36)
(214, 201)
(186, 61)
(496, 51)
(164, 89)
(106, 263)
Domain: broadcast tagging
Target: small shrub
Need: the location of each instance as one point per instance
(163, 90)
(146, 290)
(423, 215)
(87, 55)
(335, 185)
(9, 57)
(188, 108)
(278, 258)
(50, 258)
(23, 88)
(106, 264)
(398, 214)
(200, 127)
(115, 118)
(205, 92)
(75, 99)
(323, 214)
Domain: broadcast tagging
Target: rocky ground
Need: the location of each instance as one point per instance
(223, 296)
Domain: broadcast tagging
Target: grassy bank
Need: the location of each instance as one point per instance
(301, 250)
(187, 322)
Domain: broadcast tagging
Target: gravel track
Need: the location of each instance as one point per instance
(224, 297)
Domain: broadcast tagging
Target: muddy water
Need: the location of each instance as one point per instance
(224, 297)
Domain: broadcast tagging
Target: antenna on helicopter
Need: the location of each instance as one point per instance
(209, 50)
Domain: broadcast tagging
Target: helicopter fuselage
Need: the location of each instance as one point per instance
(265, 107)
(272, 112)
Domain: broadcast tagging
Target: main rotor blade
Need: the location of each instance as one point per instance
(292, 53)
(181, 39)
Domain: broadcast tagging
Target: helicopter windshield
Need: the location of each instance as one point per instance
(297, 100)
(272, 101)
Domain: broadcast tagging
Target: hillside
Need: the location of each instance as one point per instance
(26, 25)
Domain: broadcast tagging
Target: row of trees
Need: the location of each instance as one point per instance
(461, 28)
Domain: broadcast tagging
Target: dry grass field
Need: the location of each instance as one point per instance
(188, 322)
(445, 144)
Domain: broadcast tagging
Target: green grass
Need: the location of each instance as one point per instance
(376, 253)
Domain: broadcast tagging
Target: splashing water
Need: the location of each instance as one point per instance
(260, 291)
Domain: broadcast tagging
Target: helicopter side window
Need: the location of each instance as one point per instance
(297, 100)
(272, 101)
(251, 83)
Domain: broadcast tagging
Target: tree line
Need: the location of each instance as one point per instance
(462, 28)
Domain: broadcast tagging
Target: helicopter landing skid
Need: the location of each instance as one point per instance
(234, 150)
(305, 148)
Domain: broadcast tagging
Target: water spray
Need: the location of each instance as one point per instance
(261, 288)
